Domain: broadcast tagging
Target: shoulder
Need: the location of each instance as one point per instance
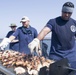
(74, 21)
(50, 24)
(52, 21)
(10, 32)
(33, 28)
(19, 27)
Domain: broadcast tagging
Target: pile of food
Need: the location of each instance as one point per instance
(23, 63)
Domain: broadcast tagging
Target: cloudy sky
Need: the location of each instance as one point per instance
(39, 12)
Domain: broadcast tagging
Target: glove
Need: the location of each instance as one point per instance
(4, 43)
(34, 45)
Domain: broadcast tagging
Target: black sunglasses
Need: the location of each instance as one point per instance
(13, 26)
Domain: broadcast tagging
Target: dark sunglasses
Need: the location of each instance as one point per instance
(13, 26)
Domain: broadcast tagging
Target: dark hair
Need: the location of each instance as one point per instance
(68, 4)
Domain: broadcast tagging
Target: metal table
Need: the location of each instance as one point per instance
(7, 71)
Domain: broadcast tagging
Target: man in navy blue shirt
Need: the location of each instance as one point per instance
(25, 34)
(14, 45)
(63, 36)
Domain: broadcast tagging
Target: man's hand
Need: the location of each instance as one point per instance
(4, 43)
(34, 45)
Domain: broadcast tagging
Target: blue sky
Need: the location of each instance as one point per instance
(39, 12)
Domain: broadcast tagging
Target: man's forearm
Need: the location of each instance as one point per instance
(12, 38)
(43, 33)
(13, 41)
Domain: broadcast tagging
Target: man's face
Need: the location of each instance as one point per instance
(25, 24)
(66, 15)
(13, 28)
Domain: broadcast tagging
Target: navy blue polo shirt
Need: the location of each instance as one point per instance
(25, 35)
(13, 46)
(63, 39)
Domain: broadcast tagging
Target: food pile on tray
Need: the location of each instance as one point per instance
(23, 63)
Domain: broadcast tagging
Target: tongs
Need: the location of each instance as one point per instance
(36, 53)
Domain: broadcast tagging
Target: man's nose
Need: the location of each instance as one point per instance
(67, 14)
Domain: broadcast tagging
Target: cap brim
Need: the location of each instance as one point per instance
(23, 21)
(12, 26)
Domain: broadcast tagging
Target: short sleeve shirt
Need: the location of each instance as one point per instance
(25, 35)
(63, 37)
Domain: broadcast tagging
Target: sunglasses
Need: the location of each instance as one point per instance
(13, 26)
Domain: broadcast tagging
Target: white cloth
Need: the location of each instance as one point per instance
(4, 43)
(34, 45)
(19, 70)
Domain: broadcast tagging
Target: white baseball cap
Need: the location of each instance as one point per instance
(24, 19)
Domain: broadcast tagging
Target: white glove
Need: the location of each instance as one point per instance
(4, 43)
(34, 45)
